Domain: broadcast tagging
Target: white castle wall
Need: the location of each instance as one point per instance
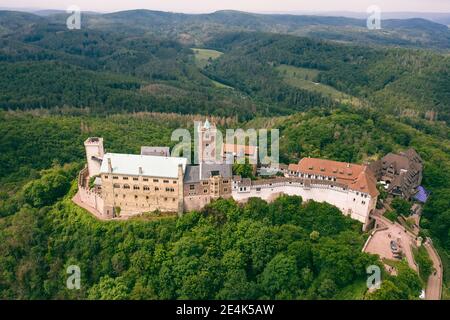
(346, 200)
(92, 199)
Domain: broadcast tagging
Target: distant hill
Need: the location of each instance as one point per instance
(143, 60)
(415, 32)
(195, 29)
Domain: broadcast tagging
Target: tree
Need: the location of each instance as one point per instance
(327, 288)
(236, 286)
(314, 236)
(47, 189)
(402, 206)
(108, 289)
(245, 170)
(280, 275)
(387, 291)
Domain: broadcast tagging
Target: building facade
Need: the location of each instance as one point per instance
(349, 187)
(132, 184)
(127, 184)
(401, 173)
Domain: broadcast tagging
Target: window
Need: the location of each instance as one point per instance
(165, 181)
(145, 179)
(136, 187)
(258, 189)
(192, 187)
(105, 177)
(116, 185)
(115, 177)
(125, 186)
(225, 189)
(156, 189)
(225, 181)
(155, 180)
(205, 191)
(146, 188)
(135, 179)
(205, 183)
(147, 197)
(125, 178)
(174, 181)
(135, 197)
(215, 173)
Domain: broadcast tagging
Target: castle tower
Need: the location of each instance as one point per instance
(94, 154)
(207, 143)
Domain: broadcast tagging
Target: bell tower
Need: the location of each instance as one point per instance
(207, 143)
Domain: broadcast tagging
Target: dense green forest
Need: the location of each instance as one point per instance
(333, 89)
(105, 70)
(282, 250)
(289, 261)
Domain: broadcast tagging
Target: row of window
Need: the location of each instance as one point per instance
(192, 187)
(205, 183)
(136, 187)
(143, 179)
(147, 198)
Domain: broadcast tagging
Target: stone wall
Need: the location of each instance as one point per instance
(92, 199)
(349, 202)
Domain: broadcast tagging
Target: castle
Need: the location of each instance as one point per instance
(124, 185)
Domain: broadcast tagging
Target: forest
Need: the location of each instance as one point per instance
(106, 71)
(60, 234)
(283, 250)
(343, 95)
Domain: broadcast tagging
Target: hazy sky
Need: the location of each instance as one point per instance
(244, 5)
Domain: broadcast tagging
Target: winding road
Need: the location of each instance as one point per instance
(434, 286)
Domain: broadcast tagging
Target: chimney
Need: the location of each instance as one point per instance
(180, 171)
(109, 165)
(140, 170)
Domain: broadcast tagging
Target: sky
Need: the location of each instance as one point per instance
(200, 6)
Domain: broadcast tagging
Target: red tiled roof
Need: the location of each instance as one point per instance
(356, 177)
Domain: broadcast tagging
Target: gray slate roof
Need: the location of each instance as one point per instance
(192, 174)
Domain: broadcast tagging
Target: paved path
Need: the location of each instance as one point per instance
(381, 242)
(434, 286)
